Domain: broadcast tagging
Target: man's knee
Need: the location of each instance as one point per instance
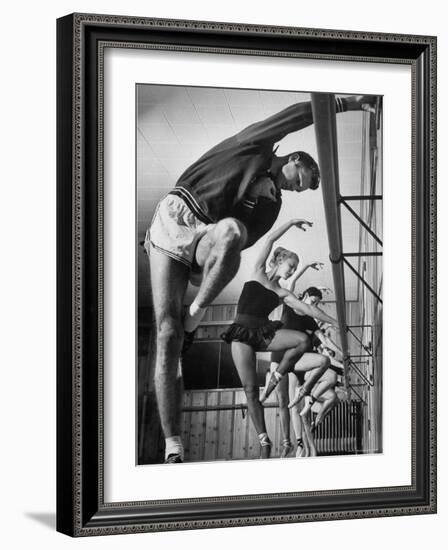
(170, 332)
(230, 233)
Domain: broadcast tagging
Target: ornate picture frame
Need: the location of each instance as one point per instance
(81, 43)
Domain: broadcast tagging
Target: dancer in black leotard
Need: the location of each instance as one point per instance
(306, 362)
(252, 324)
(325, 396)
(252, 330)
(310, 360)
(282, 389)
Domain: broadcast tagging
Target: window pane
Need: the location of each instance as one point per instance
(228, 376)
(200, 366)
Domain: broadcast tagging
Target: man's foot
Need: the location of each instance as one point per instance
(272, 380)
(300, 394)
(173, 459)
(362, 103)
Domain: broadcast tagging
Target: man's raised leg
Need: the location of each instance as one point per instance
(218, 254)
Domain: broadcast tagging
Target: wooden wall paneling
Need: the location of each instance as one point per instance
(211, 427)
(225, 423)
(253, 443)
(240, 427)
(186, 425)
(197, 427)
(272, 419)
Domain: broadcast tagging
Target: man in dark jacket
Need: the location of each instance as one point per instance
(222, 204)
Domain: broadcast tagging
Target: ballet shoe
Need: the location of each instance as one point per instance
(270, 386)
(286, 449)
(300, 394)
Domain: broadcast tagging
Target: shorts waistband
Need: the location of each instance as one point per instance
(192, 203)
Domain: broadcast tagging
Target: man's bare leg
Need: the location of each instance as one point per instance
(169, 279)
(218, 254)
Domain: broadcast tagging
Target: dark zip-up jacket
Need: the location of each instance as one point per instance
(214, 187)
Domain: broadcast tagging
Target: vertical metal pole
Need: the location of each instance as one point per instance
(324, 116)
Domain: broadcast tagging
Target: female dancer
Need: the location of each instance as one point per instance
(252, 330)
(323, 392)
(303, 323)
(282, 388)
(325, 396)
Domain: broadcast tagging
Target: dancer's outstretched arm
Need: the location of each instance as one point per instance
(260, 262)
(328, 342)
(305, 309)
(299, 272)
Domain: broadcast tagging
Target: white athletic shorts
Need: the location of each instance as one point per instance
(175, 230)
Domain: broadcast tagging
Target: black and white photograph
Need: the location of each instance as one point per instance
(259, 273)
(220, 275)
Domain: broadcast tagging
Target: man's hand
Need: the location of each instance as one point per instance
(362, 103)
(263, 187)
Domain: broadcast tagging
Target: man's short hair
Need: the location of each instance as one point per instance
(313, 291)
(308, 162)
